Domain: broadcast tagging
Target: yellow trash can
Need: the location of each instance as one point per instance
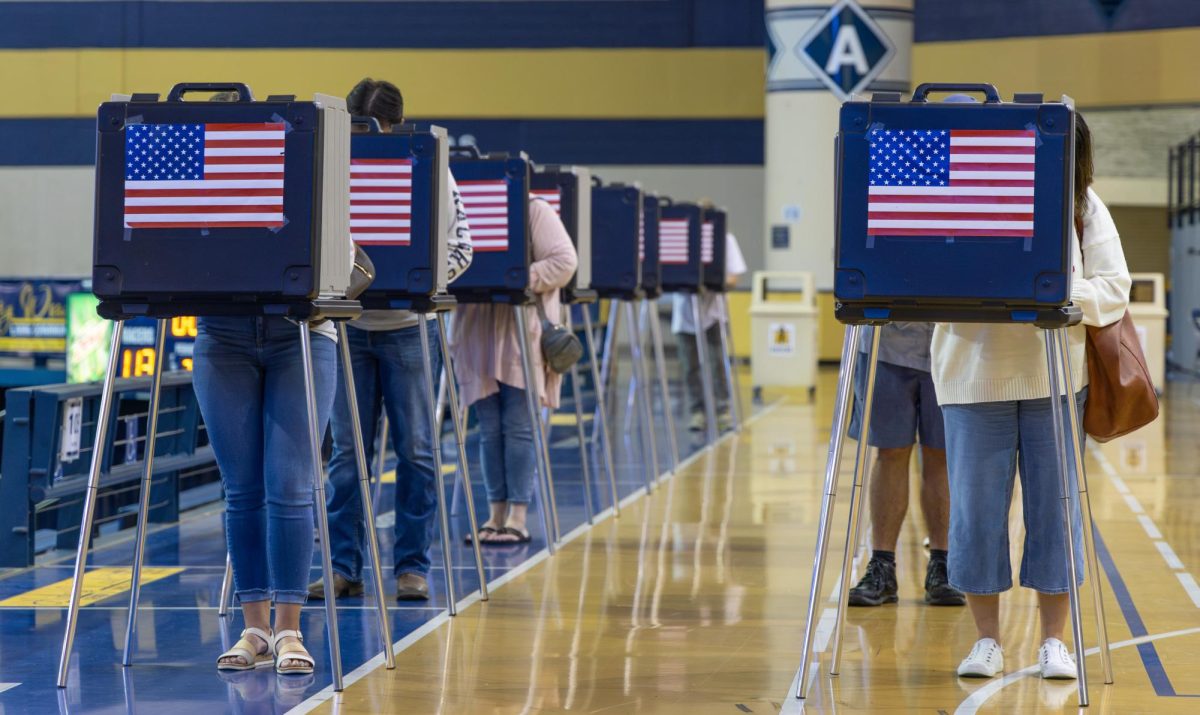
(783, 329)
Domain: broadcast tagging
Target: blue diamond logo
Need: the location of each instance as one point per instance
(846, 49)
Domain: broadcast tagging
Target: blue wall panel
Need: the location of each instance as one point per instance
(948, 20)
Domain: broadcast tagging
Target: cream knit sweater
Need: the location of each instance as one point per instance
(993, 362)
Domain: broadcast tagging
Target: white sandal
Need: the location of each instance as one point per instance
(292, 651)
(248, 652)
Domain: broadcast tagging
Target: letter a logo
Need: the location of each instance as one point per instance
(846, 49)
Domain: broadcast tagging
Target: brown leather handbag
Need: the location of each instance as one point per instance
(1121, 396)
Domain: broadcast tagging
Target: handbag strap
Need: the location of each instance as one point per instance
(541, 309)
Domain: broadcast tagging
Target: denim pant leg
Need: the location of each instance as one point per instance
(228, 381)
(520, 456)
(1044, 560)
(406, 398)
(288, 457)
(689, 362)
(981, 458)
(491, 447)
(347, 527)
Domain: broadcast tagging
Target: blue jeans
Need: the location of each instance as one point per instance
(985, 444)
(249, 382)
(506, 445)
(388, 374)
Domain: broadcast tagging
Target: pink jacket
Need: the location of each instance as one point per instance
(486, 349)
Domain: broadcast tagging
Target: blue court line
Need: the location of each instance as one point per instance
(1150, 658)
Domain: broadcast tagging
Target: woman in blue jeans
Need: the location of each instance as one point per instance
(991, 382)
(249, 382)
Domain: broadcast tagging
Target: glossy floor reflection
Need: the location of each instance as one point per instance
(693, 601)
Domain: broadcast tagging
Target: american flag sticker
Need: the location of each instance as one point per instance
(951, 183)
(641, 235)
(486, 206)
(706, 243)
(204, 175)
(381, 202)
(673, 241)
(550, 196)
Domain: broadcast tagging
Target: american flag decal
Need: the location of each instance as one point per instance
(951, 183)
(550, 196)
(486, 206)
(673, 241)
(641, 235)
(204, 175)
(381, 202)
(706, 243)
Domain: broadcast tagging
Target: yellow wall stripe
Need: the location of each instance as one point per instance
(99, 584)
(584, 83)
(1125, 68)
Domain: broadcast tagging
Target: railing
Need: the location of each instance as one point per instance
(47, 444)
(1183, 181)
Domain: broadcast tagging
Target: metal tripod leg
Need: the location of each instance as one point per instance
(532, 398)
(735, 399)
(660, 364)
(600, 425)
(862, 478)
(438, 478)
(318, 477)
(89, 501)
(639, 366)
(139, 539)
(577, 398)
(1053, 365)
(1085, 502)
(608, 366)
(226, 589)
(381, 443)
(837, 436)
(461, 440)
(364, 490)
(632, 406)
(710, 402)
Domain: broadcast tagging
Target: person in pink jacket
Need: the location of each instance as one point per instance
(487, 363)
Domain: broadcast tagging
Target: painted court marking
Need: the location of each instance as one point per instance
(98, 585)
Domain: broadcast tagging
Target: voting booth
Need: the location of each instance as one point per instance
(712, 249)
(648, 245)
(616, 216)
(217, 208)
(495, 196)
(679, 230)
(568, 190)
(956, 211)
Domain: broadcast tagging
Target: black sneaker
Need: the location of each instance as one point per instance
(877, 587)
(938, 591)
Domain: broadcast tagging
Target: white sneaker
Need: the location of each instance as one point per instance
(1056, 661)
(985, 660)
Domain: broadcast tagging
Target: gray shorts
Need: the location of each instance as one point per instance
(905, 407)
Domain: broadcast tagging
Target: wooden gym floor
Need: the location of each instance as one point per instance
(693, 601)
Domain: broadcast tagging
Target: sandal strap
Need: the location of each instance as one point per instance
(280, 635)
(266, 637)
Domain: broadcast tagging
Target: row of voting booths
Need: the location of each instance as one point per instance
(267, 229)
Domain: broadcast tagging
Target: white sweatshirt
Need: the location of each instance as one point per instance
(1000, 362)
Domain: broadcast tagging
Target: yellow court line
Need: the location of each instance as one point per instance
(99, 584)
(463, 84)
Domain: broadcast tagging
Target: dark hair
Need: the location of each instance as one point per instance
(378, 99)
(1084, 167)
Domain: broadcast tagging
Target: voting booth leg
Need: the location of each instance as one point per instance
(639, 367)
(710, 400)
(89, 501)
(837, 436)
(139, 538)
(600, 424)
(532, 398)
(1060, 448)
(381, 442)
(632, 405)
(862, 478)
(364, 490)
(1085, 503)
(735, 395)
(438, 478)
(608, 366)
(577, 398)
(226, 589)
(460, 440)
(660, 365)
(314, 439)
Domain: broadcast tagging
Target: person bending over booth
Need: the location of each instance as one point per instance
(905, 408)
(991, 382)
(683, 326)
(385, 348)
(487, 361)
